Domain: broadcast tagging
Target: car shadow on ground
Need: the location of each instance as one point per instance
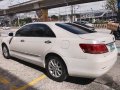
(110, 82)
(9, 81)
(76, 80)
(30, 65)
(79, 80)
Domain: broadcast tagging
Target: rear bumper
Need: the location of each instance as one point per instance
(90, 68)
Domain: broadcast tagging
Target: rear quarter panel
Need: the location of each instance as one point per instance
(67, 48)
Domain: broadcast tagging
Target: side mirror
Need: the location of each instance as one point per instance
(10, 34)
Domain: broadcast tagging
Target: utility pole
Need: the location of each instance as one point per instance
(93, 15)
(72, 12)
(59, 15)
(66, 2)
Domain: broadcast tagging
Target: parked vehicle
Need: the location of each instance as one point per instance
(116, 33)
(6, 28)
(115, 29)
(63, 49)
(85, 24)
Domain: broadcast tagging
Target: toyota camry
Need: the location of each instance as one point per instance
(63, 49)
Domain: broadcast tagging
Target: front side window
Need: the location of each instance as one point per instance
(24, 31)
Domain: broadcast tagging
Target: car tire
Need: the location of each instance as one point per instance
(56, 68)
(5, 52)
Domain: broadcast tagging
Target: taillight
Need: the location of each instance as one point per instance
(94, 48)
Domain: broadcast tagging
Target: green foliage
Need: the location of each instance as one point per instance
(100, 22)
(112, 5)
(21, 21)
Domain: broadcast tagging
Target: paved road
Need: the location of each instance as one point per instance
(18, 75)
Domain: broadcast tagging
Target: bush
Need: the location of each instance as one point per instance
(100, 22)
(21, 21)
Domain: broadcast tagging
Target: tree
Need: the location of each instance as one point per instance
(112, 5)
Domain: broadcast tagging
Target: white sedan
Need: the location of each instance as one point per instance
(63, 49)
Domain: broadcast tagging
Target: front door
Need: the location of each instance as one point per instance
(33, 41)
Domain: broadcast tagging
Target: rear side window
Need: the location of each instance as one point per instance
(82, 24)
(41, 30)
(74, 28)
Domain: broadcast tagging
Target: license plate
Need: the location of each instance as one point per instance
(111, 47)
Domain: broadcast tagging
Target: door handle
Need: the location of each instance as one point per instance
(48, 42)
(22, 41)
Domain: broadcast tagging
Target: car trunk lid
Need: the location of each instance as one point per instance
(98, 37)
(101, 38)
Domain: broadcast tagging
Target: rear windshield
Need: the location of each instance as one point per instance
(73, 28)
(83, 24)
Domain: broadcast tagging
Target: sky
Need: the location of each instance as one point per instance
(5, 3)
(62, 10)
(88, 7)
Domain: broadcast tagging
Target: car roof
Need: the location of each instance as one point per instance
(57, 30)
(45, 23)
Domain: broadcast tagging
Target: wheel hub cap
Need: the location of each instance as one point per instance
(55, 68)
